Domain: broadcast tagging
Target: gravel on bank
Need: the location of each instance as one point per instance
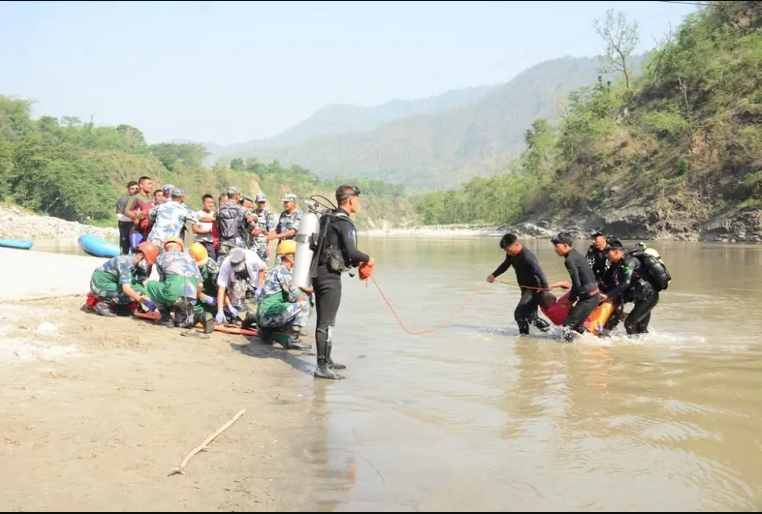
(15, 224)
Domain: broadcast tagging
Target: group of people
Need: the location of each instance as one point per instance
(607, 274)
(223, 278)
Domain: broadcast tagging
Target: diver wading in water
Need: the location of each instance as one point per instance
(531, 280)
(326, 249)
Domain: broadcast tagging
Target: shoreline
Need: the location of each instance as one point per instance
(50, 232)
(99, 410)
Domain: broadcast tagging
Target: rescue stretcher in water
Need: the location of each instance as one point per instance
(594, 323)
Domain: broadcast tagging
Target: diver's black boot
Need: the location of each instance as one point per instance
(329, 360)
(206, 320)
(323, 371)
(294, 343)
(103, 309)
(523, 327)
(166, 319)
(541, 324)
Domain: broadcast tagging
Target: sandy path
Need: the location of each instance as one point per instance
(94, 415)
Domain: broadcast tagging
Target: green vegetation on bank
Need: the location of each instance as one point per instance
(685, 137)
(77, 170)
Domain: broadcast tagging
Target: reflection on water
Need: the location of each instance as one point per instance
(475, 418)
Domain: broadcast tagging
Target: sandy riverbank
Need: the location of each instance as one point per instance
(96, 412)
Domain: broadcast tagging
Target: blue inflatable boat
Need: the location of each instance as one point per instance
(18, 244)
(97, 246)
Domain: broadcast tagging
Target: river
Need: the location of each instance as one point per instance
(473, 418)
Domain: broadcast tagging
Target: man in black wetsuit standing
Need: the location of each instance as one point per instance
(598, 254)
(584, 287)
(338, 255)
(531, 279)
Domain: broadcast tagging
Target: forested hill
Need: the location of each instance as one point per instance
(444, 148)
(677, 154)
(77, 170)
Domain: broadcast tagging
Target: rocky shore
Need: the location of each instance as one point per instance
(740, 225)
(15, 224)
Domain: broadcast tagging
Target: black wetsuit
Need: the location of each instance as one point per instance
(528, 273)
(645, 296)
(616, 282)
(599, 261)
(584, 288)
(327, 283)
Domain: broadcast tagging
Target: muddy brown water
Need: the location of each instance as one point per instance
(474, 418)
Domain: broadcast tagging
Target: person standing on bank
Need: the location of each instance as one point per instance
(125, 222)
(531, 280)
(584, 287)
(339, 254)
(287, 223)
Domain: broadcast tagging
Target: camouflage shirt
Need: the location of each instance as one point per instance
(169, 220)
(279, 281)
(287, 222)
(119, 269)
(265, 221)
(209, 273)
(177, 263)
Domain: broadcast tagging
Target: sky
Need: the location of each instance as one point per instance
(229, 72)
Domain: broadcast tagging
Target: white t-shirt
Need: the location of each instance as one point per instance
(253, 262)
(204, 238)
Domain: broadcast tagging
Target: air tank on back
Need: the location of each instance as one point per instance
(308, 226)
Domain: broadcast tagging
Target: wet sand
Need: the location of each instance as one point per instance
(97, 412)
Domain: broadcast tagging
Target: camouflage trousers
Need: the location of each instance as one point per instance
(227, 246)
(295, 315)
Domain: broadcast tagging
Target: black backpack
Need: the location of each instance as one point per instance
(655, 271)
(229, 221)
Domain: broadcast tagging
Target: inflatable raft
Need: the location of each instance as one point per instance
(97, 246)
(18, 244)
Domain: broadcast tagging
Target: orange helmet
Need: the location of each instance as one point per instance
(149, 251)
(199, 253)
(175, 240)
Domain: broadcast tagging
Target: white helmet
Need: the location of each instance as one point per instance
(653, 253)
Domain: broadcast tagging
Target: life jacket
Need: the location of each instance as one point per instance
(229, 221)
(655, 272)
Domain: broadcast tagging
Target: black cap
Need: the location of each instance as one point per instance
(597, 232)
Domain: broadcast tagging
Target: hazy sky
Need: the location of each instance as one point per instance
(229, 72)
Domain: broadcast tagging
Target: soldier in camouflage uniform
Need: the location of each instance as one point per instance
(283, 305)
(116, 282)
(234, 223)
(209, 271)
(288, 222)
(169, 218)
(177, 288)
(265, 226)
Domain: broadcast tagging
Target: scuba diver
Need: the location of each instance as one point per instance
(584, 288)
(529, 274)
(617, 280)
(327, 248)
(653, 278)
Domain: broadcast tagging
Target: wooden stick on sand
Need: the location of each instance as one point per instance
(53, 296)
(205, 445)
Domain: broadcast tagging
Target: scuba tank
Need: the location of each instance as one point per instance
(651, 261)
(306, 243)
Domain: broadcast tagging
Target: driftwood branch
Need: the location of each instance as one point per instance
(51, 297)
(205, 445)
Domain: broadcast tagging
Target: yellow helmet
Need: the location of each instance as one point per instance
(288, 246)
(175, 240)
(199, 253)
